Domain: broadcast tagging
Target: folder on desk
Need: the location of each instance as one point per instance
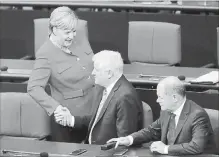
(209, 78)
(19, 71)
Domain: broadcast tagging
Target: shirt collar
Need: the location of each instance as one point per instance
(110, 87)
(179, 110)
(66, 50)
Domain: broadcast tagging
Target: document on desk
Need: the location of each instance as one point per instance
(152, 77)
(19, 71)
(156, 2)
(209, 78)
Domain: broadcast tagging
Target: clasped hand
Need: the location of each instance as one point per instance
(159, 147)
(123, 141)
(63, 116)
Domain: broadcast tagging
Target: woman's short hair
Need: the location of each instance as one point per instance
(63, 18)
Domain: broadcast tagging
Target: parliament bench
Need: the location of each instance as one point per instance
(22, 117)
(214, 119)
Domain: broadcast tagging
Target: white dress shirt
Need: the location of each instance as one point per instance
(178, 111)
(107, 92)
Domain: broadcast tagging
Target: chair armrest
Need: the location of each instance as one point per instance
(27, 57)
(44, 138)
(176, 64)
(210, 65)
(126, 61)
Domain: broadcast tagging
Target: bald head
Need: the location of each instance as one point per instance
(170, 93)
(173, 85)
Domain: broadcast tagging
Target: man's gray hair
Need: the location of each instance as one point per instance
(62, 18)
(109, 60)
(173, 86)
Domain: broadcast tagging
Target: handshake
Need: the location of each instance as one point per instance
(63, 116)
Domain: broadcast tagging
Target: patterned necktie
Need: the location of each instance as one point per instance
(101, 104)
(104, 97)
(171, 129)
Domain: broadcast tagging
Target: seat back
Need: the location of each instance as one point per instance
(218, 46)
(41, 32)
(214, 119)
(154, 43)
(147, 115)
(21, 116)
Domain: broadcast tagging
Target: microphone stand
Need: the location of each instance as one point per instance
(25, 153)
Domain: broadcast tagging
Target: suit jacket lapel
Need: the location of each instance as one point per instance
(111, 94)
(106, 103)
(165, 126)
(182, 119)
(96, 102)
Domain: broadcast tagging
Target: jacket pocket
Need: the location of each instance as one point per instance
(63, 67)
(73, 94)
(88, 52)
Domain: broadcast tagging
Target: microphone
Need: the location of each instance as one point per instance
(108, 146)
(44, 154)
(4, 68)
(18, 152)
(181, 77)
(156, 152)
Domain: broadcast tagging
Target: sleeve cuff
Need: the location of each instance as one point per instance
(59, 107)
(166, 149)
(130, 138)
(72, 121)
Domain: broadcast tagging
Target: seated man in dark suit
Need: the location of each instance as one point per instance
(117, 109)
(182, 128)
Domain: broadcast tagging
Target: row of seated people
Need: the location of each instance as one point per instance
(106, 105)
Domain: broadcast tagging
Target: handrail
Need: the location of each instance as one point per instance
(118, 5)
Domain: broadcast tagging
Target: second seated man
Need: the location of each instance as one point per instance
(183, 128)
(117, 109)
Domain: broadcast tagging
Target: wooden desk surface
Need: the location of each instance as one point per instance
(128, 68)
(132, 72)
(66, 148)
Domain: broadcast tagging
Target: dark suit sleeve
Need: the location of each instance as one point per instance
(152, 133)
(127, 116)
(37, 83)
(200, 136)
(82, 121)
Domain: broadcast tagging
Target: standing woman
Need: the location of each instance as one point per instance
(65, 65)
